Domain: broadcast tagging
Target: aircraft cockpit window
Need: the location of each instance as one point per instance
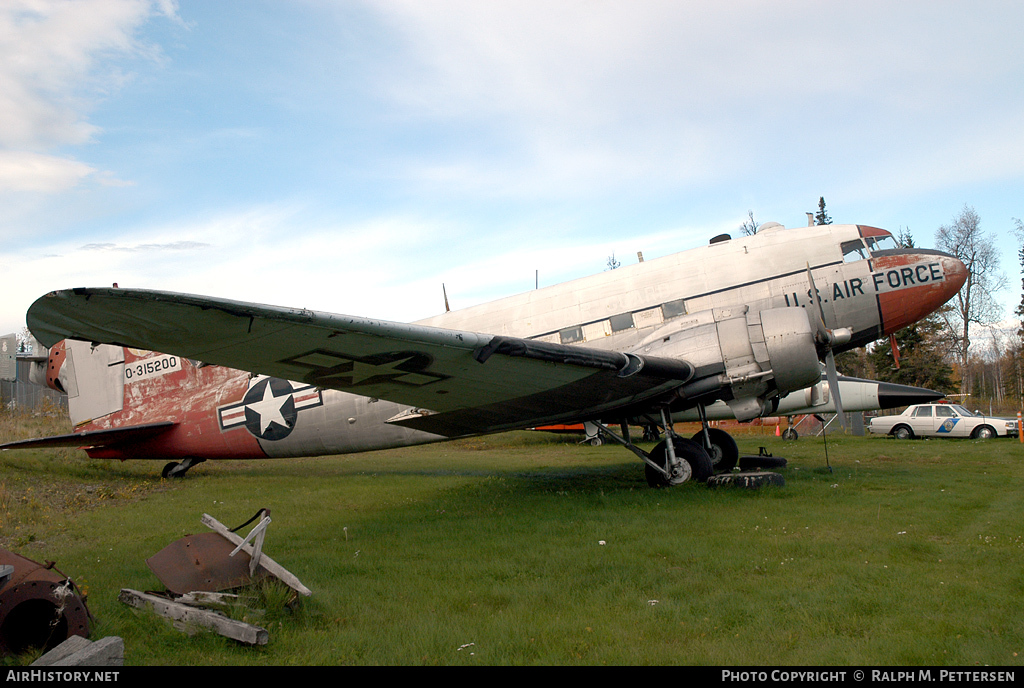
(854, 251)
(881, 243)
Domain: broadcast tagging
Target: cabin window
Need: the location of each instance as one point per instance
(673, 308)
(854, 251)
(571, 334)
(621, 322)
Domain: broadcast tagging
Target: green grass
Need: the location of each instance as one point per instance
(488, 551)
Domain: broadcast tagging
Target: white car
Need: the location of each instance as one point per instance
(941, 420)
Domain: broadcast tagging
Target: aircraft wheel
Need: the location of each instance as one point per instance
(724, 453)
(902, 432)
(697, 463)
(179, 469)
(596, 441)
(790, 434)
(651, 434)
(984, 433)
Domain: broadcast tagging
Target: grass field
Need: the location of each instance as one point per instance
(526, 548)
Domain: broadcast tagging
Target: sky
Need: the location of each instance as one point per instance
(353, 157)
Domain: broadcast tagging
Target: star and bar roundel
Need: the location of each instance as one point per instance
(270, 408)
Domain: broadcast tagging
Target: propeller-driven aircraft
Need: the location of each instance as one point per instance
(742, 321)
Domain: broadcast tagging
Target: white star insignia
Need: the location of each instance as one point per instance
(269, 409)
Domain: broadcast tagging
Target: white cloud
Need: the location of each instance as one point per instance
(25, 171)
(577, 96)
(54, 64)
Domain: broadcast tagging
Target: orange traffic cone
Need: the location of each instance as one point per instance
(778, 432)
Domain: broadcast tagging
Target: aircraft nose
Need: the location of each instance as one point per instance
(912, 283)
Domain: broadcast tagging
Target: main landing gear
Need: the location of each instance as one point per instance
(675, 459)
(176, 470)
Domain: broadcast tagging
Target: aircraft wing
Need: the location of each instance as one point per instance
(459, 382)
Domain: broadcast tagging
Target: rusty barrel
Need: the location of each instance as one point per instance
(39, 606)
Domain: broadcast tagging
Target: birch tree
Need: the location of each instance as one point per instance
(975, 302)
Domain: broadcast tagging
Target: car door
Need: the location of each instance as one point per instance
(922, 422)
(948, 423)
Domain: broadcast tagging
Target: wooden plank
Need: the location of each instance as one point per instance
(266, 562)
(229, 628)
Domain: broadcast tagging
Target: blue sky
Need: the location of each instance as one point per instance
(353, 156)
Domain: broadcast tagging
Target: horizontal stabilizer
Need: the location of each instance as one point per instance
(94, 438)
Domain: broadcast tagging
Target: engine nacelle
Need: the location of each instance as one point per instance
(748, 356)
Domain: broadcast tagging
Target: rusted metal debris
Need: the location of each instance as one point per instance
(40, 607)
(202, 563)
(196, 567)
(217, 561)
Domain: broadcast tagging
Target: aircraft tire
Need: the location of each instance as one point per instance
(687, 450)
(790, 434)
(167, 471)
(749, 480)
(724, 453)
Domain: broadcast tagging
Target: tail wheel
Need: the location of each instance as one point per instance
(696, 463)
(177, 470)
(723, 451)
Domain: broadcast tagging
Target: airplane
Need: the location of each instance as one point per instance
(743, 321)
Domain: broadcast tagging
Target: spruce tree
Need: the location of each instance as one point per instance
(822, 218)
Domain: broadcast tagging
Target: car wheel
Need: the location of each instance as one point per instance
(984, 433)
(902, 432)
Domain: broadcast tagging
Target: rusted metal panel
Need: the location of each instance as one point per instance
(202, 563)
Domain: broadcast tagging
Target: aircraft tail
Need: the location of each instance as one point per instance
(92, 376)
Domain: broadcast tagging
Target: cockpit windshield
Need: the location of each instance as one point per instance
(881, 243)
(854, 250)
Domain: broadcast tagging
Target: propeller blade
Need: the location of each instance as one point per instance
(827, 338)
(822, 333)
(833, 386)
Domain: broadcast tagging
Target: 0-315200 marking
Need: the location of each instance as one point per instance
(151, 367)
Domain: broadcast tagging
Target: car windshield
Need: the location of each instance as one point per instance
(961, 411)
